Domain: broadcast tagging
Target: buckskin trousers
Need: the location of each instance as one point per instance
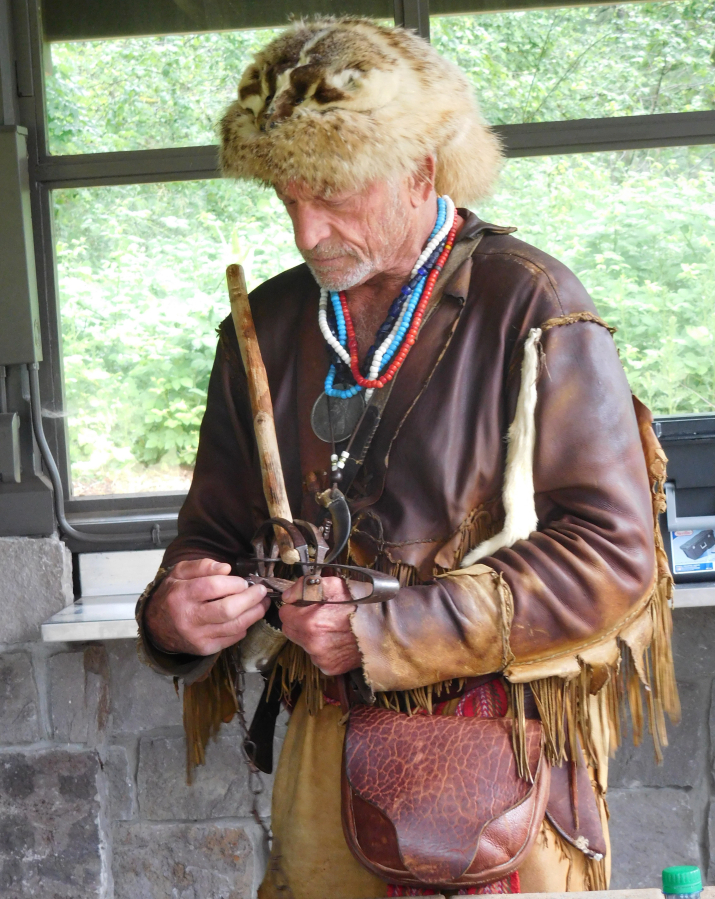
(309, 854)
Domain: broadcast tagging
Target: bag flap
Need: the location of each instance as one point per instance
(439, 780)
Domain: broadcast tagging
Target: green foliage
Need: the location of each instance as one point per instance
(144, 93)
(638, 228)
(141, 267)
(142, 291)
(585, 62)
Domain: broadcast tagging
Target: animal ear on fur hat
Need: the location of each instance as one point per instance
(339, 102)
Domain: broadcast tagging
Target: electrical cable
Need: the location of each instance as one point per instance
(3, 389)
(53, 471)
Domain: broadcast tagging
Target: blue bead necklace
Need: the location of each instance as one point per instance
(392, 331)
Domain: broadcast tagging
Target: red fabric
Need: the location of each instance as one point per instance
(508, 884)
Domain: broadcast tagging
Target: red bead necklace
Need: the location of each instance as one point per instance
(411, 334)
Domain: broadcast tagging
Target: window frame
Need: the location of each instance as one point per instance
(149, 520)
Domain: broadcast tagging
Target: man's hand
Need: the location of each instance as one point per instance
(199, 608)
(323, 630)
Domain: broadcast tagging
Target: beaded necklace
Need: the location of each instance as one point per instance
(398, 332)
(393, 339)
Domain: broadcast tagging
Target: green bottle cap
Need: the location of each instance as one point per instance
(682, 879)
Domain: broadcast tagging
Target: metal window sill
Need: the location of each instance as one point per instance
(690, 596)
(93, 618)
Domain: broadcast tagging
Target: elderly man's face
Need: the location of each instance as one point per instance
(346, 239)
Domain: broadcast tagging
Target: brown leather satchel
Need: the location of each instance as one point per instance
(435, 799)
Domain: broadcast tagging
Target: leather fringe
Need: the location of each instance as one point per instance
(651, 665)
(418, 699)
(518, 731)
(596, 874)
(208, 703)
(407, 575)
(595, 869)
(647, 685)
(478, 527)
(656, 674)
(296, 668)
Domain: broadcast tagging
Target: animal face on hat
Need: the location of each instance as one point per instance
(337, 103)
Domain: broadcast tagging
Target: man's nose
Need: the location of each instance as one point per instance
(310, 227)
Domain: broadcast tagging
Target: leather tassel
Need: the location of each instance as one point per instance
(297, 668)
(518, 731)
(208, 703)
(478, 527)
(407, 575)
(549, 694)
(596, 874)
(612, 699)
(653, 672)
(595, 868)
(573, 789)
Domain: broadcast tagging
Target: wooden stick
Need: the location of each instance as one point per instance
(274, 488)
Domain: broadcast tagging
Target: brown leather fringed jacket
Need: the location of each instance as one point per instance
(570, 489)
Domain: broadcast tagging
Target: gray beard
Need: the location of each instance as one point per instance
(362, 270)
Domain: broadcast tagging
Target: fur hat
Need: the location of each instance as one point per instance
(339, 102)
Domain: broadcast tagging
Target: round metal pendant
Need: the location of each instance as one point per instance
(342, 414)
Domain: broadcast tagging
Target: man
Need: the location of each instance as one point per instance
(506, 485)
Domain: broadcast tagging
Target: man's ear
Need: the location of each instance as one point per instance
(422, 181)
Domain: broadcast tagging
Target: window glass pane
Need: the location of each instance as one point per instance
(142, 290)
(144, 93)
(585, 62)
(638, 228)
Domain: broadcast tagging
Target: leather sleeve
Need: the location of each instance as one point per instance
(577, 577)
(436, 632)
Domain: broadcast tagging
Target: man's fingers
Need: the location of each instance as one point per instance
(186, 571)
(205, 589)
(231, 607)
(238, 626)
(294, 592)
(173, 613)
(216, 637)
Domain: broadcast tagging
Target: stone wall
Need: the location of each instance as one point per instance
(94, 802)
(661, 815)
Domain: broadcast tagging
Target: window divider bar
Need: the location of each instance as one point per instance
(413, 14)
(621, 133)
(528, 139)
(128, 167)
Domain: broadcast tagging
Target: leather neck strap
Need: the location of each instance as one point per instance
(343, 693)
(371, 419)
(364, 434)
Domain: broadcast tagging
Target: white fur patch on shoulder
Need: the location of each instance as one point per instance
(519, 507)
